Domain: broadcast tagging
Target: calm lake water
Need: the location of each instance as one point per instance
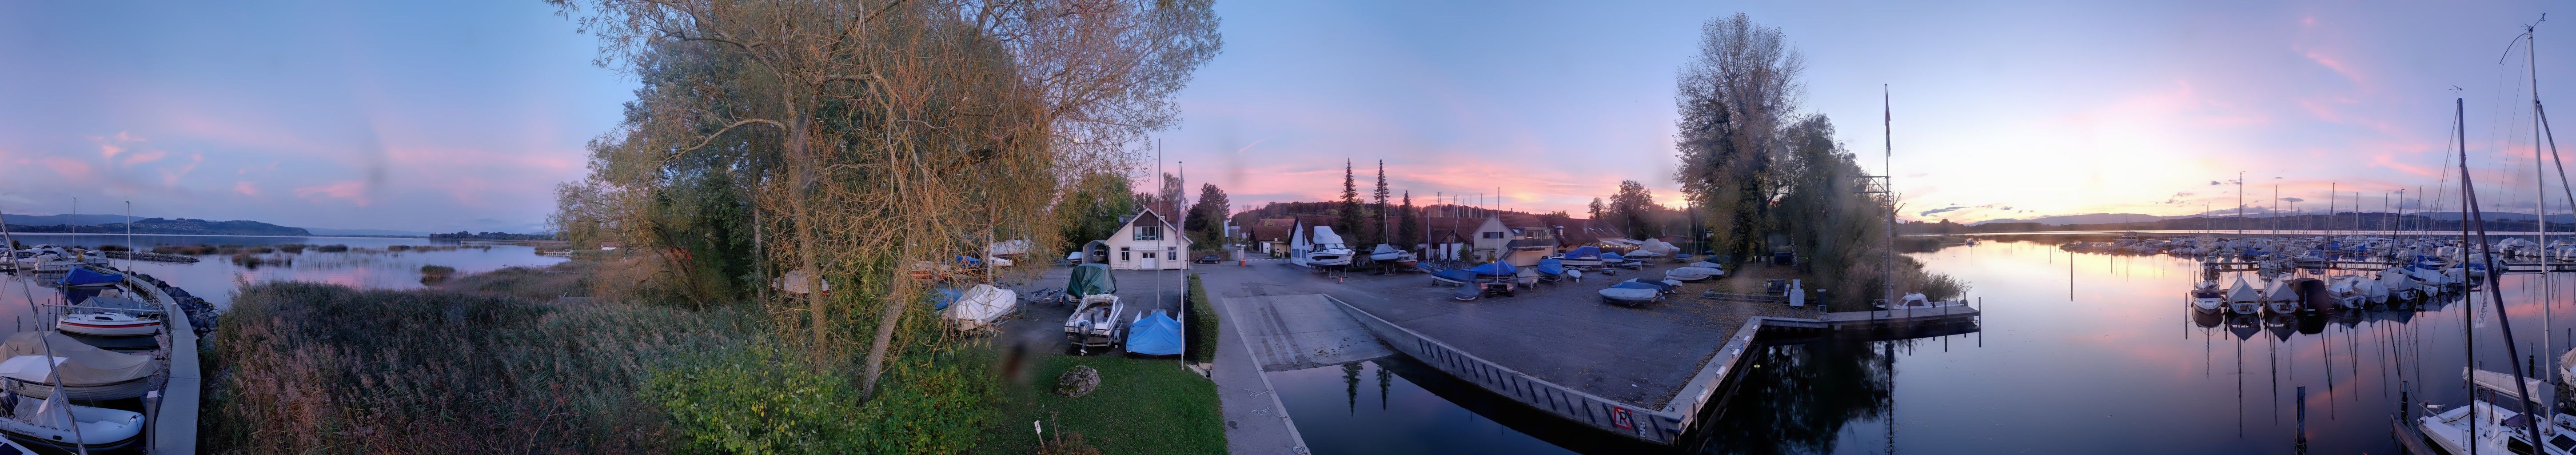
(2078, 353)
(366, 265)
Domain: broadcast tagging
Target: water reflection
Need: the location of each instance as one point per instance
(1800, 398)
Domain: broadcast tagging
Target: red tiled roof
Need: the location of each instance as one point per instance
(1521, 221)
(1270, 233)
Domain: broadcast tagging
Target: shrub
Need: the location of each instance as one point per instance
(296, 248)
(398, 248)
(1202, 321)
(332, 248)
(112, 248)
(760, 400)
(432, 274)
(443, 371)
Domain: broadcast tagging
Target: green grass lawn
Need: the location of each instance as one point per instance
(1142, 406)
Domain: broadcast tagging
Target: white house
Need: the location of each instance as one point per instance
(1147, 242)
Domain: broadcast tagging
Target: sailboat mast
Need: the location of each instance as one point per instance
(2495, 290)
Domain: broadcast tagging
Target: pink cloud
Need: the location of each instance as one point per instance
(68, 168)
(146, 156)
(245, 189)
(353, 191)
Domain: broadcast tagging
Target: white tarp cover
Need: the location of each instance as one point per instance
(794, 282)
(1324, 236)
(1007, 248)
(978, 306)
(84, 365)
(1657, 246)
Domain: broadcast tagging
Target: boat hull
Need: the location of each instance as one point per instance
(115, 391)
(107, 329)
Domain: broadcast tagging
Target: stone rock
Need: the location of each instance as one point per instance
(1077, 382)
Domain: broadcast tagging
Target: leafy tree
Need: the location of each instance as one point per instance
(1206, 222)
(1596, 208)
(1631, 210)
(1092, 206)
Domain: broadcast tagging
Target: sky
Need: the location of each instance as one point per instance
(415, 116)
(2000, 109)
(441, 117)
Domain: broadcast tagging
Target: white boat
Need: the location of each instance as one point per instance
(1385, 252)
(2499, 423)
(2346, 290)
(1653, 248)
(53, 420)
(87, 372)
(2279, 299)
(2243, 298)
(977, 307)
(108, 324)
(1631, 294)
(1327, 249)
(1916, 301)
(1690, 273)
(2396, 284)
(2206, 298)
(1094, 322)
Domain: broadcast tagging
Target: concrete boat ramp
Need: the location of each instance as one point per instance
(1647, 373)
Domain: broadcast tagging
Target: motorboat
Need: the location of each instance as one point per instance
(83, 277)
(1653, 248)
(1691, 273)
(977, 307)
(2243, 298)
(1617, 260)
(1631, 294)
(2493, 422)
(87, 372)
(2207, 299)
(1328, 250)
(1385, 253)
(1666, 286)
(1548, 270)
(54, 420)
(1094, 322)
(1916, 301)
(1585, 256)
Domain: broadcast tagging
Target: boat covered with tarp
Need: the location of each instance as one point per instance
(1451, 277)
(1631, 293)
(1583, 256)
(86, 278)
(1155, 334)
(977, 307)
(87, 372)
(1089, 279)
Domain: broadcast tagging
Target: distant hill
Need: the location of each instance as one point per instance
(179, 226)
(328, 231)
(45, 220)
(2089, 218)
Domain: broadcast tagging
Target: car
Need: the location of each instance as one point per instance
(1208, 259)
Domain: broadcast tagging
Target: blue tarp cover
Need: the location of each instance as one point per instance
(1612, 257)
(1156, 334)
(1552, 266)
(1455, 275)
(1495, 268)
(1583, 252)
(1636, 285)
(945, 296)
(82, 275)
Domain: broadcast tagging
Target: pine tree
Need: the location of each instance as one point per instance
(1377, 219)
(1348, 224)
(1408, 231)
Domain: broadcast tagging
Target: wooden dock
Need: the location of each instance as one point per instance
(2411, 438)
(1664, 426)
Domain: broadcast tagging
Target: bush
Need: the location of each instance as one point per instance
(332, 248)
(432, 274)
(440, 371)
(1202, 323)
(112, 248)
(760, 401)
(296, 248)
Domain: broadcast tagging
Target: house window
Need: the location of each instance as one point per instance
(1490, 235)
(1122, 254)
(1149, 233)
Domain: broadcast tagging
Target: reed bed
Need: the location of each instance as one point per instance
(488, 363)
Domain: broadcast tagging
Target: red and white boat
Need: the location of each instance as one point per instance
(108, 324)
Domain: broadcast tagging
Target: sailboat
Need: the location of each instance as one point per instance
(2498, 428)
(2207, 299)
(2243, 298)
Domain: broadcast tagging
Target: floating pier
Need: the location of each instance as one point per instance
(1665, 425)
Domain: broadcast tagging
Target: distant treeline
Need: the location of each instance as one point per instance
(183, 226)
(464, 235)
(2343, 221)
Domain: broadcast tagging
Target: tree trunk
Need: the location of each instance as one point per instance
(800, 147)
(885, 336)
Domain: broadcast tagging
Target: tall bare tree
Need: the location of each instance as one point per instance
(1732, 96)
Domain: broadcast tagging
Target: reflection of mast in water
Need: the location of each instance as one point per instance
(2240, 387)
(1384, 376)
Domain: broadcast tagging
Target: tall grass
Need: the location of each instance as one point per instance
(490, 363)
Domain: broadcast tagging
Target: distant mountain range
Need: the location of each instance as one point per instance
(115, 224)
(2089, 218)
(181, 226)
